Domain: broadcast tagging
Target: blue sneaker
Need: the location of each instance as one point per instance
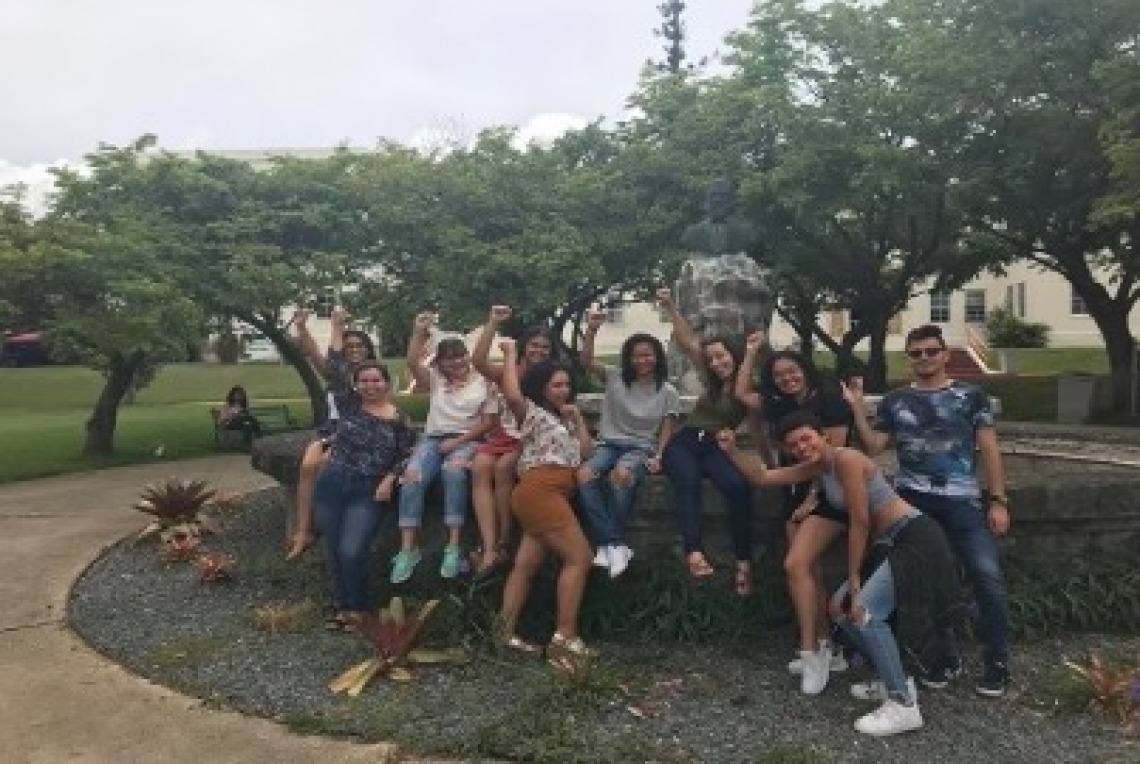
(403, 564)
(452, 559)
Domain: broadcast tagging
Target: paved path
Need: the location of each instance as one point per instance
(62, 702)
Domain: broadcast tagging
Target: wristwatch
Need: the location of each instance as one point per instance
(997, 498)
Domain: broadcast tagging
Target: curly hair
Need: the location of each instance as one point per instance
(369, 347)
(770, 392)
(537, 377)
(661, 367)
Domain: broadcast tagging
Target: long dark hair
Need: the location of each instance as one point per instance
(770, 392)
(714, 384)
(237, 396)
(661, 367)
(534, 383)
(530, 333)
(369, 348)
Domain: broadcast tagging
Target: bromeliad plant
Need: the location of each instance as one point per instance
(214, 567)
(394, 637)
(177, 508)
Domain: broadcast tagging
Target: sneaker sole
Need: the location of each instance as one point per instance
(987, 692)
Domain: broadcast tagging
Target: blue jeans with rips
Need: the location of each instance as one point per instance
(963, 520)
(430, 464)
(607, 506)
(348, 517)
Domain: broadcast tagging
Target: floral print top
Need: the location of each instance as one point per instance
(365, 445)
(547, 440)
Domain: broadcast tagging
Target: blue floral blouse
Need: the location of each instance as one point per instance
(365, 444)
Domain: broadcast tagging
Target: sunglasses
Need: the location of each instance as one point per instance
(921, 352)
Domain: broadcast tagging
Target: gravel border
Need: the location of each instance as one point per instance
(669, 703)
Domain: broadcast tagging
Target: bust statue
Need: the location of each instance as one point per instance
(721, 290)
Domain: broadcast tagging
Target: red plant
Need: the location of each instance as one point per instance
(1116, 690)
(179, 548)
(213, 567)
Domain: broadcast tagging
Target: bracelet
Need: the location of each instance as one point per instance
(996, 498)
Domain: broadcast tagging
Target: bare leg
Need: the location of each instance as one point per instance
(312, 462)
(505, 479)
(573, 549)
(483, 502)
(809, 542)
(527, 562)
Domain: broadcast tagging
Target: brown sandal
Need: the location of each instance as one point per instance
(698, 565)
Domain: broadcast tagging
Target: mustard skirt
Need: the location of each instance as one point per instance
(541, 499)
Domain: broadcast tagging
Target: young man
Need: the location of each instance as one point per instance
(940, 427)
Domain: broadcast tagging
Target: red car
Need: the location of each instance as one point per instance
(26, 349)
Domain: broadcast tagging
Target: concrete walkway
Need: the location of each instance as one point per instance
(62, 702)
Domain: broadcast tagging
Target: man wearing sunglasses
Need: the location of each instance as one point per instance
(940, 428)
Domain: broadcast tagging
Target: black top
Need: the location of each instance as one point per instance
(829, 406)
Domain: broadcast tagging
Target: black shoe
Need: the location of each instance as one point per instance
(937, 678)
(994, 682)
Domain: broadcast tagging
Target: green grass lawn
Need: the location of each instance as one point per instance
(43, 410)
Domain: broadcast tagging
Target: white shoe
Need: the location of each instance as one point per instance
(620, 556)
(838, 662)
(891, 718)
(877, 691)
(602, 557)
(816, 669)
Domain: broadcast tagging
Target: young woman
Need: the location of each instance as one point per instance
(356, 348)
(554, 441)
(454, 428)
(911, 568)
(234, 415)
(496, 459)
(692, 454)
(373, 440)
(639, 414)
(789, 382)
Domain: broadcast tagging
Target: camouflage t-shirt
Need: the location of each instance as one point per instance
(934, 433)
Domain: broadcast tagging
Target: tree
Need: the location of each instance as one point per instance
(672, 31)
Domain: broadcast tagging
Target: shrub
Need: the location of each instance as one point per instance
(1005, 330)
(227, 347)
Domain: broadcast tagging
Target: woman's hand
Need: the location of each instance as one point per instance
(571, 412)
(594, 319)
(302, 540)
(508, 345)
(726, 439)
(338, 316)
(806, 507)
(500, 314)
(665, 298)
(447, 445)
(853, 391)
(385, 489)
(755, 341)
(653, 464)
(423, 322)
(301, 318)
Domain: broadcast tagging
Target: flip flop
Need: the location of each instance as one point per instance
(742, 582)
(699, 566)
(339, 624)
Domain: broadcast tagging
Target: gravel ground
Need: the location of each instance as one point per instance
(641, 704)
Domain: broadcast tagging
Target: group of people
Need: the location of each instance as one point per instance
(506, 438)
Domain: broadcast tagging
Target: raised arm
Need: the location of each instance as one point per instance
(745, 388)
(509, 386)
(338, 319)
(874, 442)
(417, 345)
(306, 342)
(480, 356)
(594, 321)
(686, 338)
(754, 470)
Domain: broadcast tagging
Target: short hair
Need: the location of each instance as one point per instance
(794, 421)
(369, 348)
(370, 364)
(535, 380)
(660, 371)
(448, 348)
(925, 332)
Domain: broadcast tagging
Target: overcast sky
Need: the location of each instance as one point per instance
(221, 74)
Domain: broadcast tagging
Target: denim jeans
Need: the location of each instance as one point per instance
(873, 636)
(963, 520)
(348, 517)
(691, 456)
(605, 505)
(429, 462)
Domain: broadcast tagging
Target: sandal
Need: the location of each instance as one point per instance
(339, 624)
(519, 645)
(698, 565)
(742, 582)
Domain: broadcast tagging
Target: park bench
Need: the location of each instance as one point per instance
(273, 419)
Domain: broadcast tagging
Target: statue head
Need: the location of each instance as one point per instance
(720, 199)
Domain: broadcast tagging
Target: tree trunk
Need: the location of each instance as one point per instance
(314, 385)
(105, 416)
(876, 377)
(1119, 345)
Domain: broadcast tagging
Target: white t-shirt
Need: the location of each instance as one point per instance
(454, 409)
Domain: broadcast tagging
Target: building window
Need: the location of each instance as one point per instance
(939, 307)
(1077, 305)
(975, 306)
(1021, 301)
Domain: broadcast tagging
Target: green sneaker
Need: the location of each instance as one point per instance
(452, 558)
(403, 564)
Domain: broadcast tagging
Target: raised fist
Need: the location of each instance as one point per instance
(853, 390)
(424, 322)
(665, 297)
(508, 345)
(301, 317)
(595, 318)
(726, 439)
(339, 315)
(755, 341)
(500, 313)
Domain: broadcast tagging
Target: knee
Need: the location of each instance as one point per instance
(586, 475)
(797, 565)
(455, 470)
(622, 477)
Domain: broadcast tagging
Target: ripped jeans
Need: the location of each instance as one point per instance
(605, 505)
(429, 462)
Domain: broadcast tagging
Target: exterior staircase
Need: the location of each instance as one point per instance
(962, 365)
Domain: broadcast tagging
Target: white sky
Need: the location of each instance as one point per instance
(219, 74)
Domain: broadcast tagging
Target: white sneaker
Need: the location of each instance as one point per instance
(877, 691)
(816, 669)
(891, 718)
(619, 559)
(838, 662)
(602, 558)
